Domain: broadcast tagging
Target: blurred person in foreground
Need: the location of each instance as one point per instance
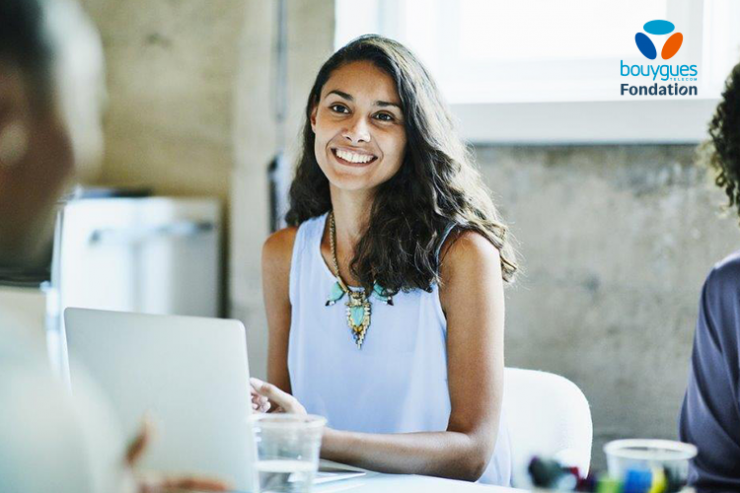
(710, 415)
(51, 86)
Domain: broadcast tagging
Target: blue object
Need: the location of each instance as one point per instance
(637, 481)
(645, 46)
(336, 293)
(659, 27)
(358, 314)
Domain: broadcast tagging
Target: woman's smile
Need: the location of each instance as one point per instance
(353, 157)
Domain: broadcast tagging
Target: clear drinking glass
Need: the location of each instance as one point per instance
(287, 451)
(636, 453)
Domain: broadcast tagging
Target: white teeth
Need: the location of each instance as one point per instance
(353, 157)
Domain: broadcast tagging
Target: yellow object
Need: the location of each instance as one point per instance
(659, 483)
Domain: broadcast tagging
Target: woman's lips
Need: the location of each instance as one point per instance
(352, 163)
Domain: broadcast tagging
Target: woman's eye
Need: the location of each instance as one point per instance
(339, 108)
(386, 117)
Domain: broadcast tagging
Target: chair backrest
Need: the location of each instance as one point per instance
(547, 415)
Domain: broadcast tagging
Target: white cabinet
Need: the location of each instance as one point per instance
(149, 255)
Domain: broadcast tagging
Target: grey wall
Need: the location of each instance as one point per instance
(616, 242)
(170, 77)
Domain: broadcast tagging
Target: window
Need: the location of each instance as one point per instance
(543, 71)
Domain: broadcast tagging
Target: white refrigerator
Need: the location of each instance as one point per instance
(149, 255)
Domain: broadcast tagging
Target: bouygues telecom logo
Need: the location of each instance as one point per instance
(660, 73)
(659, 28)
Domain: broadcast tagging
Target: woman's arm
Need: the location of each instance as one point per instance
(277, 254)
(472, 298)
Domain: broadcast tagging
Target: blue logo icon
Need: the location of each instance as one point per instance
(659, 28)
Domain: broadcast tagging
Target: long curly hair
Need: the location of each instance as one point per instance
(437, 185)
(722, 151)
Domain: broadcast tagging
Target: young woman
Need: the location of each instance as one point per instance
(385, 297)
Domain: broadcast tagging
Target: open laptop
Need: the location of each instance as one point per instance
(190, 376)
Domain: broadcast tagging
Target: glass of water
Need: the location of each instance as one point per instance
(288, 448)
(646, 454)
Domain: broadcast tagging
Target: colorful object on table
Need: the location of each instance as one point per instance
(589, 483)
(637, 481)
(549, 474)
(659, 482)
(607, 484)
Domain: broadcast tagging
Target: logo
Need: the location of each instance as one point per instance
(667, 79)
(659, 28)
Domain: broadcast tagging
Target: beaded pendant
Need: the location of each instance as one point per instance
(358, 308)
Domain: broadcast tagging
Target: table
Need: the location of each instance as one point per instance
(374, 482)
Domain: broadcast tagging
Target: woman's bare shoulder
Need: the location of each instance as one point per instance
(470, 277)
(465, 251)
(278, 248)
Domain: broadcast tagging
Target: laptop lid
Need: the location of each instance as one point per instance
(189, 375)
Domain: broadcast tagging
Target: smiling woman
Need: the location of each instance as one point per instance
(345, 123)
(384, 297)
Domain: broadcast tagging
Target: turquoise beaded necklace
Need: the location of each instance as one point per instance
(358, 303)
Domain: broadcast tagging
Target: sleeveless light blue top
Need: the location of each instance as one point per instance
(397, 382)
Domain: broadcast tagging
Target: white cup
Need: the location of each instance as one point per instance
(638, 453)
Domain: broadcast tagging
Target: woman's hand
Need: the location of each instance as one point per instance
(157, 483)
(260, 403)
(278, 401)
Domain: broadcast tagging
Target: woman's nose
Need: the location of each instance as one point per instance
(357, 131)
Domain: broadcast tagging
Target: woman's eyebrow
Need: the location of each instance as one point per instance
(341, 94)
(386, 103)
(346, 96)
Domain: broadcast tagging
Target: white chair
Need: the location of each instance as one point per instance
(547, 415)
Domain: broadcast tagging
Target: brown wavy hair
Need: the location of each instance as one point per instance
(722, 151)
(436, 187)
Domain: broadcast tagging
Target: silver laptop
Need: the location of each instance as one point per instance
(189, 375)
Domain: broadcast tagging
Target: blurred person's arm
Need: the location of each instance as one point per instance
(162, 483)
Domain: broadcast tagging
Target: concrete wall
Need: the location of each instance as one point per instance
(616, 242)
(170, 76)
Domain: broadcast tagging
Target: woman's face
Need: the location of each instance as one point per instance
(359, 127)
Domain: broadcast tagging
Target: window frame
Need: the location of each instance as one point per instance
(589, 118)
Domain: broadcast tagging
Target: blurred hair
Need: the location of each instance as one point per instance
(24, 44)
(51, 72)
(722, 151)
(437, 184)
